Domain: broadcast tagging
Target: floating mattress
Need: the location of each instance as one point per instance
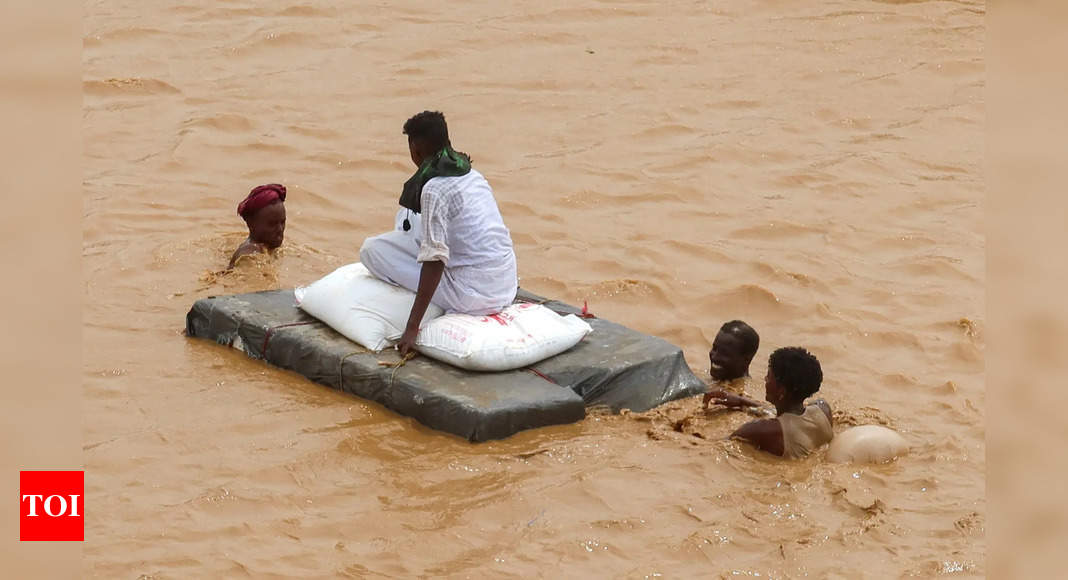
(614, 367)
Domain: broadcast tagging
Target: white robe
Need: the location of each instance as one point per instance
(461, 226)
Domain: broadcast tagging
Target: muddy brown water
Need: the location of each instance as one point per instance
(812, 167)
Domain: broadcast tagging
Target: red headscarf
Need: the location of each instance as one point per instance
(259, 198)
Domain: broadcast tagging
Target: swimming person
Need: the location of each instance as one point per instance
(798, 429)
(458, 254)
(264, 212)
(733, 349)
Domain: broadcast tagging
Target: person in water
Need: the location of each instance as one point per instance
(794, 375)
(733, 349)
(450, 245)
(264, 212)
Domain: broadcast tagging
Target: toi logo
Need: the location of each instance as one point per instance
(51, 506)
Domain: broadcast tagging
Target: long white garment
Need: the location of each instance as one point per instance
(461, 226)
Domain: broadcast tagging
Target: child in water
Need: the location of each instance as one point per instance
(264, 212)
(794, 375)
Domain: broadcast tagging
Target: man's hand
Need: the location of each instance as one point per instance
(429, 278)
(730, 400)
(407, 341)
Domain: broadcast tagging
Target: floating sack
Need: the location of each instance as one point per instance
(362, 308)
(516, 337)
(867, 444)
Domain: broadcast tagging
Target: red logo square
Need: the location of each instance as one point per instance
(52, 506)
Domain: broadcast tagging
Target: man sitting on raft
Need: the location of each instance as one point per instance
(797, 430)
(264, 212)
(452, 247)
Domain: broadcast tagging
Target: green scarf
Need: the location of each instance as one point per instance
(446, 163)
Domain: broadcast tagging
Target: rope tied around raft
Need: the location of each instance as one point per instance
(341, 367)
(396, 365)
(269, 330)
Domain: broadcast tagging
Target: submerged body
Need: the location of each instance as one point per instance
(732, 350)
(797, 429)
(264, 212)
(806, 432)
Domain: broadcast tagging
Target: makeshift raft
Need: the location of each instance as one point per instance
(614, 367)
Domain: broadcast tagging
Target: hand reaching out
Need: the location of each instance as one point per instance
(729, 400)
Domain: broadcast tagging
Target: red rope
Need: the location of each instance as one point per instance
(540, 374)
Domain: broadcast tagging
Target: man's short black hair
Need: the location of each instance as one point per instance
(428, 127)
(746, 334)
(797, 371)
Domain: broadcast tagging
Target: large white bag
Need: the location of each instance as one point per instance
(518, 336)
(362, 308)
(867, 444)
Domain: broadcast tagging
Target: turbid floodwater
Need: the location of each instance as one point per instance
(814, 168)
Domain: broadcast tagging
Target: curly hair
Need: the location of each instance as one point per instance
(749, 338)
(429, 127)
(797, 371)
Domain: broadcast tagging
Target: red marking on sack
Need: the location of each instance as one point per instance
(457, 336)
(500, 319)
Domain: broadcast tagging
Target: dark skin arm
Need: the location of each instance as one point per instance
(730, 400)
(765, 434)
(429, 278)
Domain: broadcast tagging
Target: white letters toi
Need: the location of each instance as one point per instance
(50, 502)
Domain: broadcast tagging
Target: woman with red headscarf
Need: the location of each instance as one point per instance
(264, 212)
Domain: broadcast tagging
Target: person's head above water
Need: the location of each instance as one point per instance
(264, 211)
(732, 350)
(427, 134)
(794, 375)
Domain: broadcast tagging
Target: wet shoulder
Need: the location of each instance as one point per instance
(247, 248)
(825, 407)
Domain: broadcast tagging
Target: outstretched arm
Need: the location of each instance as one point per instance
(429, 278)
(765, 435)
(730, 400)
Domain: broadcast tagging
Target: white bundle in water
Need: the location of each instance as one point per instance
(867, 444)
